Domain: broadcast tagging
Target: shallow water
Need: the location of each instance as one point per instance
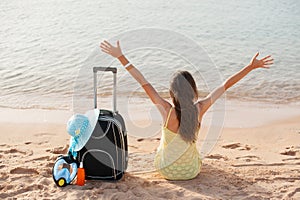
(45, 44)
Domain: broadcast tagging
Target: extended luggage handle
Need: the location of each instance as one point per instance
(105, 69)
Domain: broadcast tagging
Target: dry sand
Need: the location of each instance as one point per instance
(261, 162)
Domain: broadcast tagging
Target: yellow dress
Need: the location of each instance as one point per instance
(176, 159)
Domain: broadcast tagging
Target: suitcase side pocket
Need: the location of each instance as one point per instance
(99, 164)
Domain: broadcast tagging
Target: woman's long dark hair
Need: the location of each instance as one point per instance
(183, 91)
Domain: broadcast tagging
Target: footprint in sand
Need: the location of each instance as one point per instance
(246, 147)
(59, 150)
(291, 151)
(290, 159)
(133, 146)
(13, 150)
(22, 170)
(237, 146)
(232, 146)
(4, 145)
(44, 134)
(154, 139)
(248, 158)
(39, 158)
(217, 157)
(43, 142)
(149, 139)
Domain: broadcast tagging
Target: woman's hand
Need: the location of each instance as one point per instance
(262, 63)
(106, 47)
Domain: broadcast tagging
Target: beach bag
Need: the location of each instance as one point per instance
(105, 155)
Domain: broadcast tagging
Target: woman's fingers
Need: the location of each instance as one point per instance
(268, 56)
(103, 45)
(270, 60)
(267, 61)
(107, 43)
(270, 63)
(105, 51)
(105, 48)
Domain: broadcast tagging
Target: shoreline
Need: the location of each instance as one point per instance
(253, 114)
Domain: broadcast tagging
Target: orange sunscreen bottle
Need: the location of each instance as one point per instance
(80, 175)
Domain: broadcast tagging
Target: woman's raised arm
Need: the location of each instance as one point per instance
(162, 105)
(205, 103)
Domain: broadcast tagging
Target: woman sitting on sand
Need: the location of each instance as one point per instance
(177, 157)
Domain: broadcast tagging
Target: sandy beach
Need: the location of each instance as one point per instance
(258, 162)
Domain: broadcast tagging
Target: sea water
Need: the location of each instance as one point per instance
(44, 45)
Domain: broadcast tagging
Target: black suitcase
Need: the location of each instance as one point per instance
(105, 155)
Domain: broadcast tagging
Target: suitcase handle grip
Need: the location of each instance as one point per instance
(106, 69)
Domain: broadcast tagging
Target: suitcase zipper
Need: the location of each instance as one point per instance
(117, 123)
